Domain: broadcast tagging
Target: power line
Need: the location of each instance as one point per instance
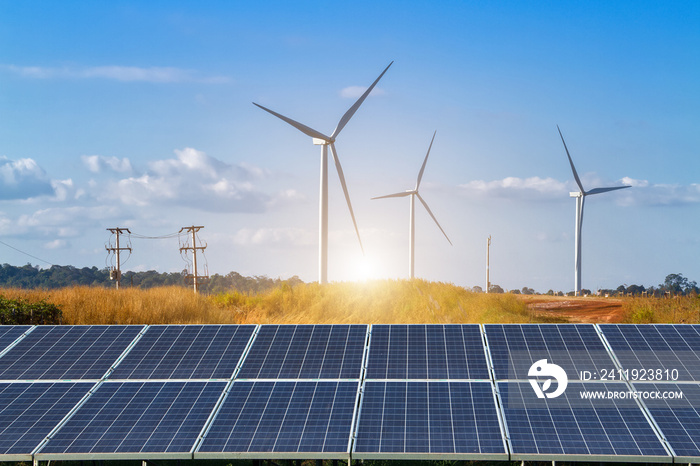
(26, 253)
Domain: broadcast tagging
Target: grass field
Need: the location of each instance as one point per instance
(381, 301)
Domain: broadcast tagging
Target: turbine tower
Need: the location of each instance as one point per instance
(325, 141)
(580, 196)
(412, 222)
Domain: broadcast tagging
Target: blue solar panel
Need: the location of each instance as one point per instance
(404, 419)
(185, 352)
(426, 352)
(29, 411)
(578, 427)
(66, 352)
(137, 417)
(656, 349)
(515, 348)
(9, 333)
(305, 351)
(677, 417)
(283, 417)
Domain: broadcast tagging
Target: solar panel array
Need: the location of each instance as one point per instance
(351, 391)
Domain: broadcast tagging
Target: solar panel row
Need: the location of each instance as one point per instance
(427, 392)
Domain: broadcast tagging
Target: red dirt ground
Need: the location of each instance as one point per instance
(577, 310)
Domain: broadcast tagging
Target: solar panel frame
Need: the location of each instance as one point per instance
(29, 411)
(582, 431)
(245, 425)
(655, 346)
(424, 410)
(111, 415)
(62, 352)
(182, 349)
(426, 352)
(290, 352)
(9, 334)
(514, 348)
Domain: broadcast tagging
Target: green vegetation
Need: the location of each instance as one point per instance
(23, 312)
(59, 276)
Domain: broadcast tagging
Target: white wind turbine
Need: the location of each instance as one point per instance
(580, 197)
(412, 222)
(325, 141)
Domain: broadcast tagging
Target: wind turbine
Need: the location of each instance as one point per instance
(580, 196)
(412, 222)
(325, 141)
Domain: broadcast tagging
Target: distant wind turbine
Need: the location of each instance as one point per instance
(412, 223)
(580, 197)
(325, 141)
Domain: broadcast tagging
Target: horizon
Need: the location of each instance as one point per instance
(140, 116)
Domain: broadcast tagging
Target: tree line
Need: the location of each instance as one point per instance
(62, 276)
(675, 284)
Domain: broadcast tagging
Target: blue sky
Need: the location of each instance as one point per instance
(139, 115)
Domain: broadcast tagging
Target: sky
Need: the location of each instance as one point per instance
(139, 115)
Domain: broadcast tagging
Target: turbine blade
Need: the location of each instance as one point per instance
(303, 128)
(433, 216)
(402, 194)
(345, 191)
(605, 190)
(351, 111)
(422, 169)
(573, 169)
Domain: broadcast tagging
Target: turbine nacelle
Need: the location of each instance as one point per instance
(577, 194)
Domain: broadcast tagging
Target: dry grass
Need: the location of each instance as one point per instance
(681, 309)
(383, 301)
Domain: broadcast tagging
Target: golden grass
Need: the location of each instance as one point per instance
(680, 309)
(381, 301)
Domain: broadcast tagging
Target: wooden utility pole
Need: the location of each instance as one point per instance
(116, 275)
(196, 279)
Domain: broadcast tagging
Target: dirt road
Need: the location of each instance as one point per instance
(577, 310)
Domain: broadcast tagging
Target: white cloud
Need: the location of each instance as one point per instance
(193, 179)
(56, 244)
(153, 74)
(354, 92)
(645, 193)
(513, 187)
(98, 163)
(22, 179)
(270, 237)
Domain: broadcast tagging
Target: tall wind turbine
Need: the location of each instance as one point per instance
(325, 141)
(412, 222)
(580, 196)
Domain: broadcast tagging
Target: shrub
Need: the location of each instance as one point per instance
(22, 312)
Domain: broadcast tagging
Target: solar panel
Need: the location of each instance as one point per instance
(305, 352)
(66, 352)
(514, 348)
(29, 411)
(426, 352)
(571, 427)
(429, 420)
(656, 352)
(185, 352)
(678, 417)
(9, 333)
(283, 419)
(146, 420)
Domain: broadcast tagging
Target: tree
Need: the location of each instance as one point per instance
(676, 283)
(527, 290)
(495, 289)
(477, 289)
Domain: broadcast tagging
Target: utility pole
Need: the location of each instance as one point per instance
(488, 261)
(195, 278)
(117, 274)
